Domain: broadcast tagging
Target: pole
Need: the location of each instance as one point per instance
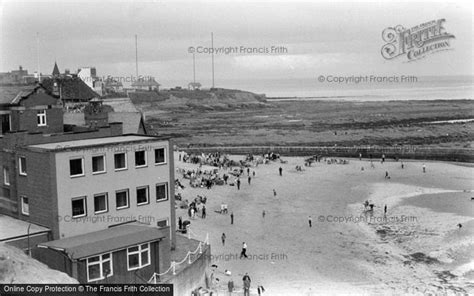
(212, 57)
(38, 56)
(136, 55)
(194, 67)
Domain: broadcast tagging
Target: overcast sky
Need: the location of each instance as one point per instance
(321, 38)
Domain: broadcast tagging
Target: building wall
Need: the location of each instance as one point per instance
(119, 265)
(89, 185)
(39, 187)
(26, 120)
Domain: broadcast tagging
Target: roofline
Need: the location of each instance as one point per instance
(152, 138)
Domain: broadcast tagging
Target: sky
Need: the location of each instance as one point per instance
(328, 38)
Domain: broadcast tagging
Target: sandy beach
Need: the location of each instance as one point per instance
(414, 250)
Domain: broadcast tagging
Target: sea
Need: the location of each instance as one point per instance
(379, 88)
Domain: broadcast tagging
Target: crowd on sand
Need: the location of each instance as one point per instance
(229, 172)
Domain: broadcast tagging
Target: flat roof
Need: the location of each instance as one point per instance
(105, 241)
(96, 142)
(11, 228)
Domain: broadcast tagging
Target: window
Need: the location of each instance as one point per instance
(25, 208)
(161, 192)
(98, 164)
(99, 267)
(76, 167)
(6, 176)
(140, 158)
(79, 208)
(120, 160)
(22, 164)
(138, 256)
(162, 223)
(142, 195)
(101, 203)
(160, 156)
(41, 116)
(121, 199)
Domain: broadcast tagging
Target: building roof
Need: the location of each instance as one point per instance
(72, 88)
(96, 142)
(104, 241)
(9, 93)
(56, 70)
(145, 82)
(11, 228)
(132, 122)
(120, 104)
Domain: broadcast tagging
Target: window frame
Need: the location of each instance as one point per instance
(106, 203)
(161, 220)
(126, 162)
(22, 200)
(84, 198)
(100, 262)
(146, 160)
(128, 199)
(165, 159)
(21, 169)
(6, 176)
(82, 167)
(139, 253)
(105, 164)
(41, 116)
(147, 193)
(166, 190)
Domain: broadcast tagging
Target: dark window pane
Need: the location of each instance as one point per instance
(75, 166)
(100, 203)
(122, 199)
(142, 195)
(159, 155)
(140, 158)
(98, 164)
(94, 272)
(144, 258)
(119, 160)
(133, 261)
(161, 193)
(78, 207)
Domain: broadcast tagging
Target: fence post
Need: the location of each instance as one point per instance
(173, 263)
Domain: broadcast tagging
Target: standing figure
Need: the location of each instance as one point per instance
(223, 237)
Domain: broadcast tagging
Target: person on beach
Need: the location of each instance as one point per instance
(249, 179)
(238, 183)
(248, 171)
(180, 223)
(203, 215)
(247, 281)
(360, 156)
(385, 210)
(310, 221)
(386, 175)
(232, 218)
(424, 168)
(260, 290)
(263, 214)
(243, 253)
(230, 286)
(403, 165)
(280, 170)
(223, 237)
(383, 158)
(253, 174)
(192, 213)
(225, 177)
(274, 193)
(459, 226)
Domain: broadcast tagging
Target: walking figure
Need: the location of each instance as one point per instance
(238, 184)
(424, 168)
(360, 156)
(223, 237)
(243, 253)
(383, 158)
(250, 179)
(403, 165)
(247, 281)
(281, 171)
(248, 171)
(274, 193)
(180, 223)
(310, 221)
(253, 174)
(230, 286)
(385, 210)
(203, 215)
(232, 218)
(263, 214)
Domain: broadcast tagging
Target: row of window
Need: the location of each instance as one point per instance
(76, 164)
(101, 267)
(122, 200)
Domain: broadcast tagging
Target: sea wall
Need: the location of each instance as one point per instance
(402, 152)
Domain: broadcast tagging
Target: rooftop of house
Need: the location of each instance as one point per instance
(12, 228)
(10, 92)
(145, 82)
(72, 88)
(114, 140)
(104, 241)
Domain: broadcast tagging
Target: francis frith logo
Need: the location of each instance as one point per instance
(416, 42)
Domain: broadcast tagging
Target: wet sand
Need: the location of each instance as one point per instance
(344, 251)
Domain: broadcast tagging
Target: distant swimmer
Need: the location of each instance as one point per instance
(459, 225)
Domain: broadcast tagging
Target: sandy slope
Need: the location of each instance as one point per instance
(289, 258)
